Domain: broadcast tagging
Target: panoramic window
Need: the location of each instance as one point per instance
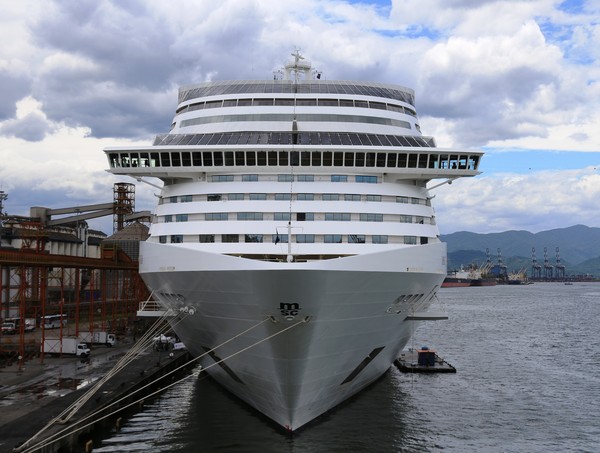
(216, 216)
(176, 238)
(356, 238)
(186, 198)
(249, 215)
(253, 238)
(379, 239)
(230, 238)
(247, 178)
(235, 196)
(277, 238)
(214, 197)
(369, 217)
(343, 216)
(305, 196)
(204, 238)
(333, 238)
(305, 238)
(258, 196)
(181, 218)
(331, 197)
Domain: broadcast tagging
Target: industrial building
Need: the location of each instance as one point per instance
(53, 267)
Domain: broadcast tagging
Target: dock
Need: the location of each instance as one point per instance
(422, 360)
(29, 401)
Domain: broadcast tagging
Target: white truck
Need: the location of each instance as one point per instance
(105, 338)
(69, 345)
(12, 326)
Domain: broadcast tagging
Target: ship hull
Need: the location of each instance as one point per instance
(320, 331)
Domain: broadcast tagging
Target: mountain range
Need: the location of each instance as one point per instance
(577, 247)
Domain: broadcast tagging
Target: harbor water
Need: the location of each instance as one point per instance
(528, 380)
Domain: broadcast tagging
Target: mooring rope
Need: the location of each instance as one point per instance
(67, 431)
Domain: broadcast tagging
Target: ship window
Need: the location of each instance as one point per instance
(391, 160)
(172, 199)
(338, 158)
(244, 102)
(197, 159)
(261, 158)
(327, 155)
(379, 239)
(253, 238)
(381, 159)
(316, 158)
(349, 159)
(218, 158)
(249, 178)
(306, 178)
(285, 178)
(306, 102)
(370, 159)
(281, 216)
(154, 161)
(165, 159)
(346, 103)
(273, 158)
(370, 217)
(412, 240)
(305, 216)
(176, 159)
(222, 178)
(402, 200)
(263, 102)
(207, 158)
(277, 238)
(213, 104)
(239, 158)
(162, 239)
(402, 160)
(176, 239)
(420, 219)
(230, 238)
(305, 238)
(339, 178)
(283, 158)
(412, 160)
(168, 218)
(284, 102)
(229, 158)
(214, 197)
(405, 218)
(415, 200)
(305, 158)
(362, 104)
(333, 238)
(356, 238)
(283, 196)
(250, 158)
(373, 197)
(305, 196)
(216, 216)
(424, 240)
(337, 216)
(229, 103)
(335, 138)
(351, 197)
(249, 215)
(258, 196)
(328, 102)
(422, 160)
(360, 160)
(331, 197)
(204, 238)
(235, 196)
(181, 218)
(366, 179)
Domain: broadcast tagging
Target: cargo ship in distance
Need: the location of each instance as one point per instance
(295, 228)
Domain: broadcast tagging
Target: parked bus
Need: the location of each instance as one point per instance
(53, 321)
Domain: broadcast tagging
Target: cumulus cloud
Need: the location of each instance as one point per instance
(494, 74)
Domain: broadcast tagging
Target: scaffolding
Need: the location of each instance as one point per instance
(124, 201)
(92, 294)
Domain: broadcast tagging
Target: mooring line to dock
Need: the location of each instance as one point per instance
(68, 430)
(130, 355)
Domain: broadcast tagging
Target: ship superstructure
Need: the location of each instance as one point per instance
(298, 208)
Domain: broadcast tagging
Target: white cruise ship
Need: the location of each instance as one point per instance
(295, 226)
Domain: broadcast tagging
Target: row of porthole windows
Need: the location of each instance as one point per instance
(295, 158)
(299, 102)
(298, 238)
(299, 216)
(297, 197)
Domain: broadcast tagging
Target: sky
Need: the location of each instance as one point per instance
(519, 80)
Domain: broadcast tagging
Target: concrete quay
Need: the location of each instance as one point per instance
(32, 396)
